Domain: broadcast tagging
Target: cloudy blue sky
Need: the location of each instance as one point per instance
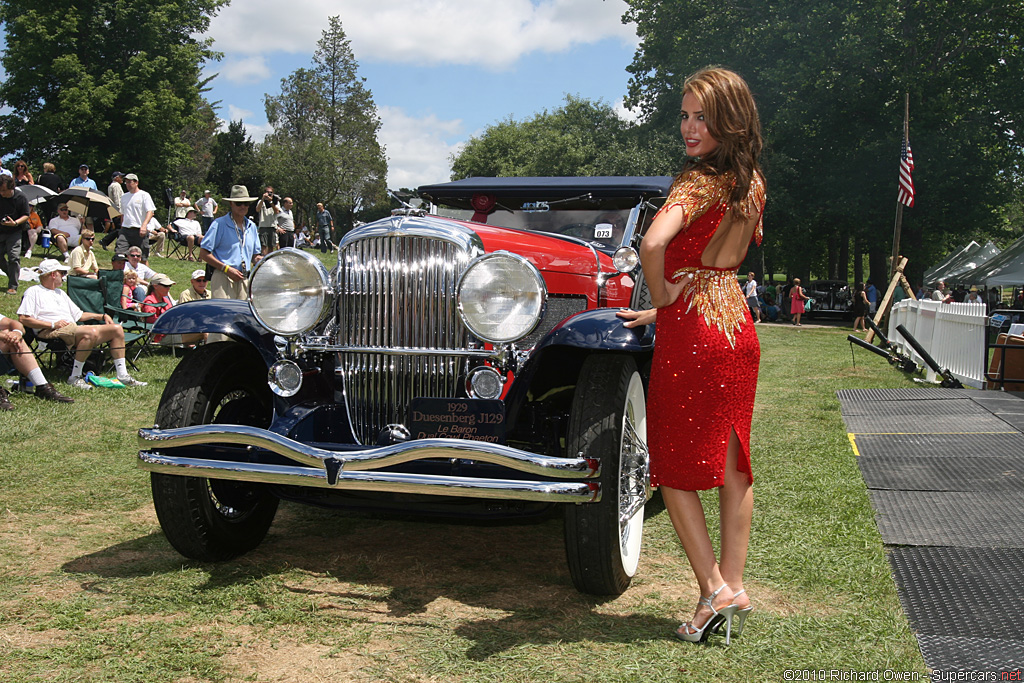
(440, 70)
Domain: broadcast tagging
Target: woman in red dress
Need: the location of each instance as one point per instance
(704, 374)
(797, 297)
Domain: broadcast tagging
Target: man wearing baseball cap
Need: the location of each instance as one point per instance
(187, 231)
(198, 290)
(208, 209)
(137, 208)
(83, 179)
(48, 309)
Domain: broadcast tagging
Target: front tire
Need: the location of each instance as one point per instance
(608, 420)
(214, 519)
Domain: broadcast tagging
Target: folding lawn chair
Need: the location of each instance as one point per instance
(177, 248)
(89, 294)
(133, 322)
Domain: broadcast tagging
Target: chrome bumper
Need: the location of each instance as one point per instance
(353, 470)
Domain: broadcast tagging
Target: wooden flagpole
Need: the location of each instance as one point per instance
(898, 280)
(899, 204)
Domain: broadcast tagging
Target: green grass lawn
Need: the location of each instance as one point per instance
(91, 591)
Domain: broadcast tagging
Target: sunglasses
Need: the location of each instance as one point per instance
(88, 239)
(62, 209)
(200, 279)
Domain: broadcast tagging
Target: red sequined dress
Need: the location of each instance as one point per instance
(704, 373)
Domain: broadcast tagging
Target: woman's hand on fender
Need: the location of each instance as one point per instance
(638, 318)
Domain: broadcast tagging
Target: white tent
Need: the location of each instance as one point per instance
(1007, 268)
(962, 261)
(936, 273)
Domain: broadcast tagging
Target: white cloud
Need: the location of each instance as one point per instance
(494, 34)
(245, 70)
(418, 149)
(256, 129)
(235, 113)
(625, 114)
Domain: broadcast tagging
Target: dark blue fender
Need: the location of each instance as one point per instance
(600, 330)
(219, 316)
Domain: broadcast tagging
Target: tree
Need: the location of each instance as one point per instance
(233, 160)
(324, 146)
(830, 79)
(581, 137)
(111, 83)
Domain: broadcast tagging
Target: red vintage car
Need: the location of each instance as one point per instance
(463, 359)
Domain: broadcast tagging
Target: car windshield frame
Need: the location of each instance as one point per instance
(603, 211)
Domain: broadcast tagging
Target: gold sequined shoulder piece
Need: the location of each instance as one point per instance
(754, 203)
(697, 192)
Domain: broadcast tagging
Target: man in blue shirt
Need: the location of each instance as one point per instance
(84, 179)
(872, 293)
(231, 247)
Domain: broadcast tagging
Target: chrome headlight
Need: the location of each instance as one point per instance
(625, 259)
(289, 292)
(501, 297)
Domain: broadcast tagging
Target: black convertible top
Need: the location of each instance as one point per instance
(550, 187)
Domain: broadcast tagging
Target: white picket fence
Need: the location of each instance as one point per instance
(953, 334)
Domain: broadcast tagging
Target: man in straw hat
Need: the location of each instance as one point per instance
(48, 309)
(231, 247)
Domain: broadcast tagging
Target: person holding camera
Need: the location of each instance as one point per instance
(267, 209)
(13, 219)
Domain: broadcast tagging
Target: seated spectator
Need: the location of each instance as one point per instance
(302, 238)
(198, 290)
(158, 297)
(83, 261)
(35, 228)
(128, 298)
(48, 309)
(138, 292)
(16, 353)
(158, 301)
(136, 263)
(187, 231)
(65, 229)
(157, 235)
(768, 307)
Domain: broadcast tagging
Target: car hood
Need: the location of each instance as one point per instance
(550, 253)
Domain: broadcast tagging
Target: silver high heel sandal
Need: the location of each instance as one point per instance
(718, 616)
(741, 615)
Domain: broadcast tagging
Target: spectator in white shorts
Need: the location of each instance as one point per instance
(50, 311)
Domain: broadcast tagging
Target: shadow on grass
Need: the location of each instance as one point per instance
(372, 568)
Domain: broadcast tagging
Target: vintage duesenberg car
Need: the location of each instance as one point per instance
(462, 360)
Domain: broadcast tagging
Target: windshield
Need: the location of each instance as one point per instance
(600, 222)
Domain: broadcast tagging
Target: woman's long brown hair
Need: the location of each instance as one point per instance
(732, 119)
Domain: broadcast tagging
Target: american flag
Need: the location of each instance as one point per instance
(906, 195)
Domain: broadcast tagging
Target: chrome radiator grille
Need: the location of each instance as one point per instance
(397, 292)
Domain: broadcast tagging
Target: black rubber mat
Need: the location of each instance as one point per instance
(950, 653)
(982, 473)
(966, 519)
(925, 407)
(1015, 420)
(961, 592)
(902, 394)
(920, 424)
(941, 445)
(997, 398)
